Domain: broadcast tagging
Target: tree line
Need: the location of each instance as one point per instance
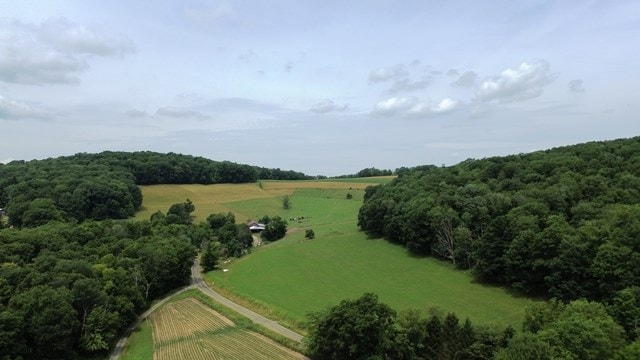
(562, 223)
(365, 328)
(370, 172)
(104, 186)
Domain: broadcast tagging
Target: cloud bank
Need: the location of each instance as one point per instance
(54, 51)
(402, 78)
(14, 110)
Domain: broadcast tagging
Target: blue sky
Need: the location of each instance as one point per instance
(323, 87)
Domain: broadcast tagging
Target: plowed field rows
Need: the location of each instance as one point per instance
(187, 329)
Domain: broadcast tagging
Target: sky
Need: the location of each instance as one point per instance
(323, 87)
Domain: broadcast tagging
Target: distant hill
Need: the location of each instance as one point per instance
(102, 186)
(564, 222)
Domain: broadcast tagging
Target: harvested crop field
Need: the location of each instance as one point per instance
(188, 329)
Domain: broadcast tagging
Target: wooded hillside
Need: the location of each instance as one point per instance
(563, 222)
(104, 186)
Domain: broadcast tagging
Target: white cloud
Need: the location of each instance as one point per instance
(54, 51)
(467, 79)
(411, 106)
(525, 82)
(181, 113)
(14, 110)
(403, 78)
(407, 85)
(576, 86)
(447, 104)
(72, 38)
(326, 106)
(388, 73)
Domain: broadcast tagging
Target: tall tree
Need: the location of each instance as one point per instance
(354, 329)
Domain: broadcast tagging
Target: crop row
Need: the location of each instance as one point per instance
(185, 318)
(233, 345)
(187, 329)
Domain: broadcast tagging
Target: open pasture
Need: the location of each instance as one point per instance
(295, 276)
(263, 197)
(188, 329)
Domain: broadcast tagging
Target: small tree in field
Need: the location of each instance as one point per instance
(286, 203)
(276, 229)
(309, 234)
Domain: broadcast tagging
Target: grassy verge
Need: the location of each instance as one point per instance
(285, 318)
(140, 344)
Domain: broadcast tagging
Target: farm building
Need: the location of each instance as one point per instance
(255, 226)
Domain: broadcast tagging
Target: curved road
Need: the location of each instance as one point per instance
(198, 283)
(196, 280)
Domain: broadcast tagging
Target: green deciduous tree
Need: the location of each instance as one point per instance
(276, 229)
(579, 330)
(625, 309)
(50, 322)
(354, 329)
(180, 213)
(526, 346)
(629, 352)
(210, 256)
(309, 234)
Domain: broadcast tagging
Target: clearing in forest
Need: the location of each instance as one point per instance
(217, 198)
(188, 329)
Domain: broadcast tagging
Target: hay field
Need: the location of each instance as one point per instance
(210, 199)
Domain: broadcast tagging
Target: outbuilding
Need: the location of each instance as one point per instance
(256, 226)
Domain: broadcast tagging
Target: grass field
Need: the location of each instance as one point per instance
(264, 197)
(139, 344)
(294, 276)
(187, 328)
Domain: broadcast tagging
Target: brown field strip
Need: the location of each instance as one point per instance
(188, 329)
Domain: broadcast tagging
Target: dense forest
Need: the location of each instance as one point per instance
(104, 186)
(70, 284)
(562, 223)
(68, 289)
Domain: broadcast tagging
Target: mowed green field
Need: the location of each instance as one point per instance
(295, 276)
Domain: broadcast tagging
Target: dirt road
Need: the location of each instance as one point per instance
(196, 280)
